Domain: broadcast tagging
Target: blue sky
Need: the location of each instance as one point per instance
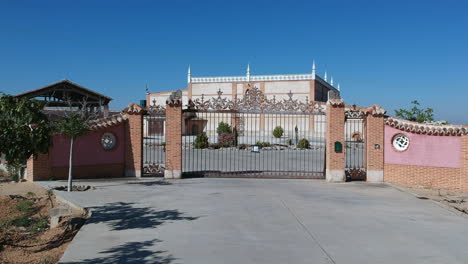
(381, 52)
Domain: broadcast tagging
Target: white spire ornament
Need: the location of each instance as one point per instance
(339, 87)
(331, 81)
(189, 75)
(248, 72)
(313, 70)
(325, 77)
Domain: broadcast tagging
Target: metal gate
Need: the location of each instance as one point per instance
(154, 141)
(355, 152)
(254, 137)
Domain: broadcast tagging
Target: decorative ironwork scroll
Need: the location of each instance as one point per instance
(155, 109)
(255, 100)
(354, 113)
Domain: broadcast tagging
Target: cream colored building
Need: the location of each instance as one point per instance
(302, 87)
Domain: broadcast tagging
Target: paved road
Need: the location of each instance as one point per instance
(262, 221)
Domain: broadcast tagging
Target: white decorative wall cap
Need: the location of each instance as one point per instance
(426, 129)
(253, 78)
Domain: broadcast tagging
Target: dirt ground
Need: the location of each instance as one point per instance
(25, 235)
(455, 200)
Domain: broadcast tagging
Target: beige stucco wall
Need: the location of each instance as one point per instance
(211, 88)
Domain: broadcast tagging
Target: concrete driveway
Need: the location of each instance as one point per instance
(262, 221)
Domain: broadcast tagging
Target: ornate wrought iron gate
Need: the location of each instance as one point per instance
(355, 152)
(254, 136)
(154, 142)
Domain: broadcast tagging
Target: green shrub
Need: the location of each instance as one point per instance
(41, 224)
(21, 221)
(303, 144)
(223, 128)
(24, 206)
(201, 141)
(261, 144)
(278, 132)
(30, 195)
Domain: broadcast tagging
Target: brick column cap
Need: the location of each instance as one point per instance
(375, 110)
(133, 109)
(336, 102)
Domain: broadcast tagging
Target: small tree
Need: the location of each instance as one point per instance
(224, 128)
(416, 113)
(24, 130)
(278, 132)
(73, 126)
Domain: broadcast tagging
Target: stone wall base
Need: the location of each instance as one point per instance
(335, 175)
(133, 173)
(173, 174)
(375, 176)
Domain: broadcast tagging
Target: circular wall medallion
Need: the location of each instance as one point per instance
(108, 141)
(400, 142)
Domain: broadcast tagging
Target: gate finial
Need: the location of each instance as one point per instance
(248, 72)
(325, 77)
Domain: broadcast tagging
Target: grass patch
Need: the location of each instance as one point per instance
(22, 221)
(40, 225)
(25, 206)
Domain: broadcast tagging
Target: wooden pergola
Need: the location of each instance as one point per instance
(65, 94)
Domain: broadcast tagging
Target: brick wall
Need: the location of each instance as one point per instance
(375, 147)
(38, 168)
(431, 177)
(335, 133)
(453, 178)
(134, 141)
(173, 140)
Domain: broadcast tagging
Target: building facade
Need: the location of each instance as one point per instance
(303, 87)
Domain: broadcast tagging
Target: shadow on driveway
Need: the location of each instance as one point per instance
(123, 216)
(133, 253)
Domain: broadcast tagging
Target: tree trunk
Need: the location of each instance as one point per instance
(69, 187)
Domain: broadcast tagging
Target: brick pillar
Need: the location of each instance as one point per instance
(374, 138)
(173, 139)
(134, 140)
(464, 168)
(335, 162)
(38, 168)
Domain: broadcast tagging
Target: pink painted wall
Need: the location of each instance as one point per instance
(88, 150)
(424, 150)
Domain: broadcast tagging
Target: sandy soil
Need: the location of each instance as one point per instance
(26, 244)
(456, 200)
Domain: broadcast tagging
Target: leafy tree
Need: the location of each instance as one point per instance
(72, 126)
(223, 128)
(24, 130)
(416, 113)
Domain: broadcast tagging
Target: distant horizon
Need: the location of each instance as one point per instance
(386, 53)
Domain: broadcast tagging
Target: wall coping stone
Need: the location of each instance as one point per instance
(426, 129)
